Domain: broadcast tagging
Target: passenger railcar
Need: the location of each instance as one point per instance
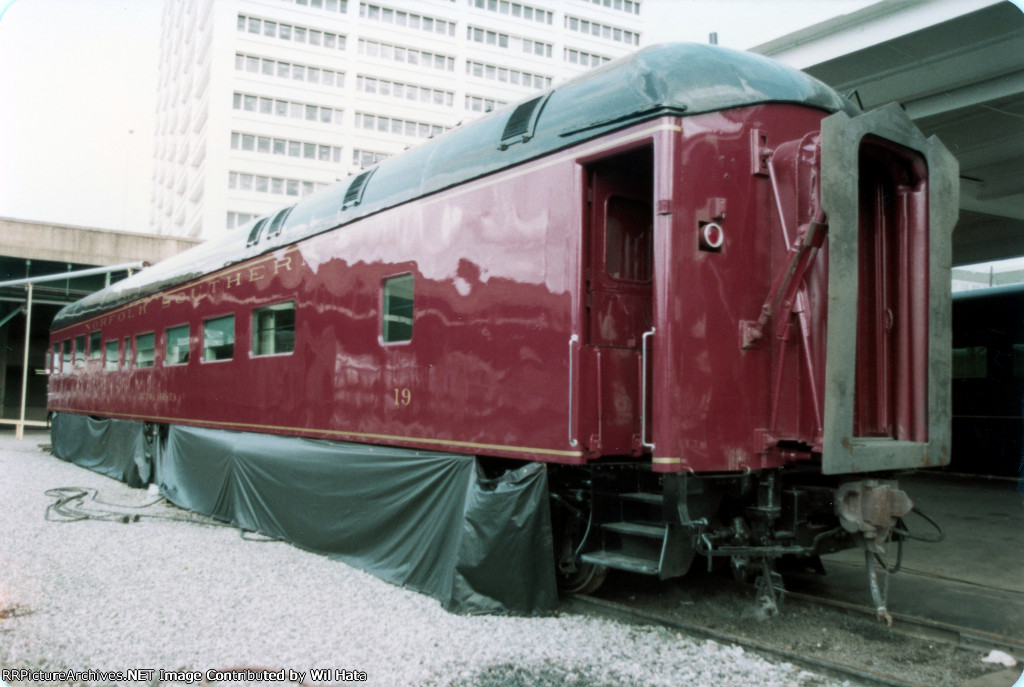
(704, 288)
(988, 392)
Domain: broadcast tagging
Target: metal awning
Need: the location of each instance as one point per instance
(29, 284)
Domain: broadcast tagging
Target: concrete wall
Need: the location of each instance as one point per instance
(84, 245)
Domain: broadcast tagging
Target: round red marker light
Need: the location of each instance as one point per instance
(711, 236)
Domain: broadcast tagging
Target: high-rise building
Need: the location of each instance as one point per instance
(264, 101)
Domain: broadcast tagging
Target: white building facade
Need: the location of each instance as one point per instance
(264, 101)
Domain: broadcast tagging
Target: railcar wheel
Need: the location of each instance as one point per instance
(570, 523)
(586, 578)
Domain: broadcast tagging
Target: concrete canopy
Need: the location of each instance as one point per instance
(957, 68)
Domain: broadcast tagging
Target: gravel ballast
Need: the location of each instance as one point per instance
(176, 595)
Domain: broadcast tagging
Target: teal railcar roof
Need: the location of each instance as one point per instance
(670, 79)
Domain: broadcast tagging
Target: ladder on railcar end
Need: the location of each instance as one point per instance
(643, 541)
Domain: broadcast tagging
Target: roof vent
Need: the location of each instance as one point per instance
(254, 234)
(277, 223)
(522, 122)
(354, 194)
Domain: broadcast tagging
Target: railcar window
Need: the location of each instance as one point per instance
(273, 329)
(629, 239)
(95, 345)
(65, 356)
(127, 352)
(970, 363)
(177, 345)
(55, 359)
(219, 338)
(112, 355)
(396, 324)
(145, 350)
(80, 350)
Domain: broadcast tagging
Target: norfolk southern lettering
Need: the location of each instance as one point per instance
(205, 288)
(225, 281)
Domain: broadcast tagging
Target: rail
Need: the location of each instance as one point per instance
(618, 611)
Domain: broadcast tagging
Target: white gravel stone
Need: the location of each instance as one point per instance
(172, 595)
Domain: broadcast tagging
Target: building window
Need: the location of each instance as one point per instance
(395, 53)
(480, 104)
(366, 158)
(479, 35)
(400, 127)
(597, 30)
(627, 6)
(419, 22)
(177, 345)
(112, 356)
(493, 72)
(404, 91)
(272, 185)
(238, 219)
(287, 70)
(396, 324)
(273, 329)
(277, 146)
(285, 108)
(287, 32)
(536, 48)
(145, 350)
(219, 338)
(585, 59)
(515, 9)
(329, 5)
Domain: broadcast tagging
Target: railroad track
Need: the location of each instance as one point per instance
(925, 628)
(903, 624)
(624, 612)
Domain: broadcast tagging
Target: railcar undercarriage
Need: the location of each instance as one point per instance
(624, 516)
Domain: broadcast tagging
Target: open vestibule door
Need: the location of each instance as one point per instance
(619, 263)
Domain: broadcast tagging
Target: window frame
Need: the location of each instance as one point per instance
(385, 314)
(146, 363)
(168, 360)
(234, 338)
(79, 357)
(255, 349)
(95, 345)
(106, 355)
(67, 358)
(621, 233)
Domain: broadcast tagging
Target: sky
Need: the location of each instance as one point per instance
(78, 94)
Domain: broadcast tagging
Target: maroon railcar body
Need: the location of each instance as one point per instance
(739, 289)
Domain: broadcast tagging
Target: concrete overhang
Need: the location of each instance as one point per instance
(957, 68)
(84, 245)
